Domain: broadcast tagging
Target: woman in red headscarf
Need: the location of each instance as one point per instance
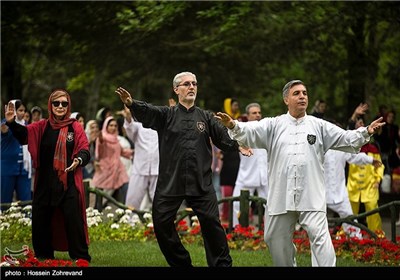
(59, 149)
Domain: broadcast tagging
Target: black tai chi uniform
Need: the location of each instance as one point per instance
(185, 174)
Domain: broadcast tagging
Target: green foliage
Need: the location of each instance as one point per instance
(149, 16)
(346, 52)
(119, 225)
(81, 81)
(15, 224)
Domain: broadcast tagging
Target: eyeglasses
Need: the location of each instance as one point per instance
(57, 103)
(187, 84)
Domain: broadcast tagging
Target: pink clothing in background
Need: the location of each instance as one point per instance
(111, 173)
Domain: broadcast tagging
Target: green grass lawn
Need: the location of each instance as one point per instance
(148, 254)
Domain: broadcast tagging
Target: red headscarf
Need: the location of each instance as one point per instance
(60, 154)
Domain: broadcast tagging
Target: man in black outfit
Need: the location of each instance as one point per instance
(184, 133)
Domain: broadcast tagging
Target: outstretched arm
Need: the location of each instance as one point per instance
(125, 96)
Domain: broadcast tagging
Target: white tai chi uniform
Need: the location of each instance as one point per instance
(296, 149)
(252, 176)
(143, 178)
(337, 197)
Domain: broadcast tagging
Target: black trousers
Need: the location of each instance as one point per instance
(42, 231)
(206, 209)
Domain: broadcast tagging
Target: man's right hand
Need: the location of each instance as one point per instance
(125, 96)
(225, 119)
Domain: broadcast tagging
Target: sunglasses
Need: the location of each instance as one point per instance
(57, 103)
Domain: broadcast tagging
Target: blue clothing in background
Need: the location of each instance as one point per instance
(14, 177)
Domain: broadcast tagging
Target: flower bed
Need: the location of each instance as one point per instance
(121, 225)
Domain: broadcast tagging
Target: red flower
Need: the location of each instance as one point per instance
(82, 263)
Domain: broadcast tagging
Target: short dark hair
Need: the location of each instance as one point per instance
(289, 85)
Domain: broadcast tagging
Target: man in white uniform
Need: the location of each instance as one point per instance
(253, 171)
(337, 197)
(143, 179)
(296, 144)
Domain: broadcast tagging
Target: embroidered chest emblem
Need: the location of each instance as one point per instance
(311, 139)
(70, 136)
(201, 126)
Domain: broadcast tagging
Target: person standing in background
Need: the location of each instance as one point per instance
(28, 117)
(144, 174)
(319, 109)
(363, 184)
(359, 112)
(127, 158)
(230, 161)
(36, 114)
(101, 115)
(110, 174)
(92, 132)
(388, 140)
(253, 171)
(16, 164)
(337, 197)
(79, 117)
(216, 167)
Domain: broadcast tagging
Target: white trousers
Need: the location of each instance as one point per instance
(261, 192)
(278, 235)
(139, 187)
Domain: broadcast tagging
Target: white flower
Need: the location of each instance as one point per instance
(128, 211)
(92, 222)
(147, 216)
(110, 215)
(15, 215)
(125, 219)
(114, 225)
(4, 226)
(27, 207)
(14, 208)
(25, 221)
(120, 211)
(194, 218)
(196, 223)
